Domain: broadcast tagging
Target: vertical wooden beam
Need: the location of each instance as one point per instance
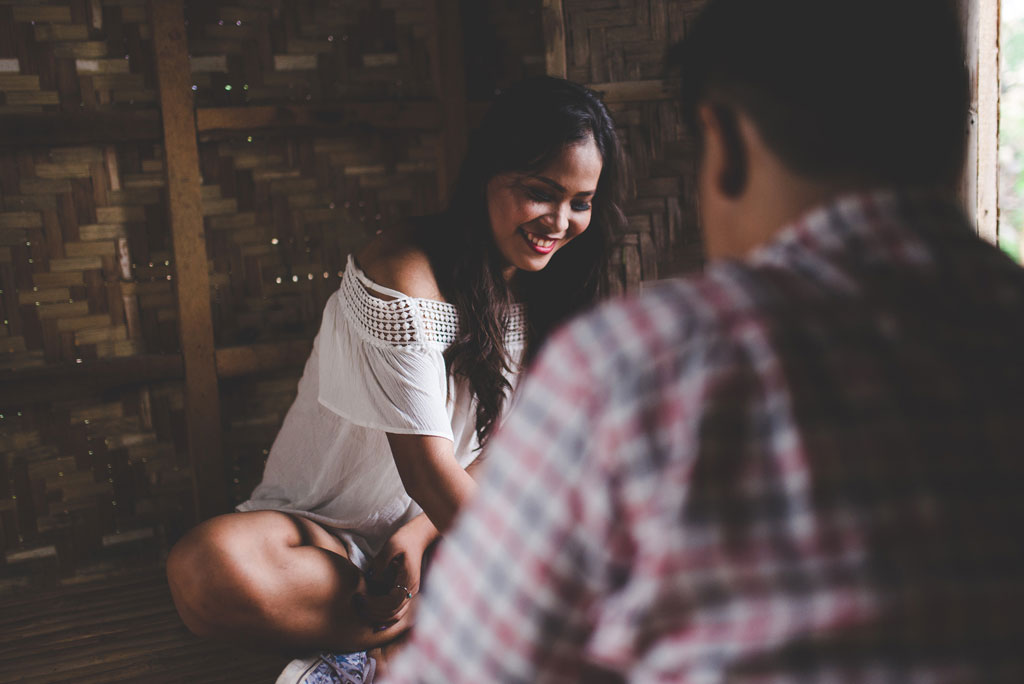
(202, 404)
(980, 188)
(988, 119)
(554, 38)
(449, 75)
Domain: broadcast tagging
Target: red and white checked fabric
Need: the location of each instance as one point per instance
(806, 466)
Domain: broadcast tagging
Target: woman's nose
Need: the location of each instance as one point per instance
(559, 219)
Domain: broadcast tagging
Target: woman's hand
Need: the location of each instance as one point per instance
(393, 578)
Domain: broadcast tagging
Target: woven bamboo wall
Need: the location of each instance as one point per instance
(504, 43)
(91, 486)
(75, 55)
(92, 482)
(619, 47)
(345, 111)
(259, 52)
(284, 212)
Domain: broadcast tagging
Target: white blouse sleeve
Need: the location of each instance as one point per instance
(376, 369)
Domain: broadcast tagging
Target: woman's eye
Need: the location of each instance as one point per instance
(537, 195)
(581, 206)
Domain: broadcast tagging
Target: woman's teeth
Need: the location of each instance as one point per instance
(543, 243)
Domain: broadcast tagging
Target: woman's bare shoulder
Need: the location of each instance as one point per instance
(394, 260)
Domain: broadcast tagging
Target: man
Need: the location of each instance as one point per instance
(806, 464)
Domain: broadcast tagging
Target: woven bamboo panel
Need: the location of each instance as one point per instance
(72, 55)
(503, 44)
(253, 410)
(85, 263)
(261, 51)
(623, 40)
(282, 213)
(619, 47)
(91, 486)
(663, 238)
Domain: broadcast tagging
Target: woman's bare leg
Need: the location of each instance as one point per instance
(265, 578)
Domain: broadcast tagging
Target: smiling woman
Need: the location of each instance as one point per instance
(416, 357)
(533, 216)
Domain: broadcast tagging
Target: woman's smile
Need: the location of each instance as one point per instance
(541, 244)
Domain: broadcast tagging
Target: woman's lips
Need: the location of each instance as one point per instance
(539, 243)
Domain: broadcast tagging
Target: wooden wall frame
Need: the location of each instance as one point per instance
(980, 187)
(195, 320)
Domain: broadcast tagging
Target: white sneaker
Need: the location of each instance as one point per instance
(330, 668)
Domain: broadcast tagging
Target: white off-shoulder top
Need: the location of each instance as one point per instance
(377, 367)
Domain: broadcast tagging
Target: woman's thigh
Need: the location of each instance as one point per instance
(260, 570)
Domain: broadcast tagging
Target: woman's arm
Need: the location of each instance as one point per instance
(432, 476)
(400, 561)
(421, 527)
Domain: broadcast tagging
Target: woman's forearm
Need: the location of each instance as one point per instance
(432, 476)
(421, 528)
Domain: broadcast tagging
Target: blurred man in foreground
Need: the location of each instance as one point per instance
(805, 464)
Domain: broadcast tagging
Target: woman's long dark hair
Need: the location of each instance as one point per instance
(525, 129)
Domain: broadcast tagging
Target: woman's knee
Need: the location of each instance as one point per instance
(214, 576)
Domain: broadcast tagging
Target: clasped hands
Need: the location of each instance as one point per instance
(393, 579)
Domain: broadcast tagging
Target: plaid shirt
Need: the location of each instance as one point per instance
(805, 466)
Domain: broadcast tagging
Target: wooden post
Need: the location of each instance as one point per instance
(554, 38)
(449, 75)
(202, 403)
(980, 189)
(988, 119)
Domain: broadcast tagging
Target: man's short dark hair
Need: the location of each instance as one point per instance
(874, 91)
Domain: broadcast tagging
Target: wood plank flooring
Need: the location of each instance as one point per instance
(118, 630)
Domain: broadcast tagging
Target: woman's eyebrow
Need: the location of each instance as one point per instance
(560, 189)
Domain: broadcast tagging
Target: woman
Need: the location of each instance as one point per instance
(414, 363)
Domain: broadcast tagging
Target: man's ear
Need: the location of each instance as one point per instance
(725, 151)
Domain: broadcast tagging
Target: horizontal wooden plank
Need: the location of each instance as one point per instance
(18, 82)
(102, 66)
(635, 91)
(74, 324)
(76, 264)
(20, 219)
(46, 295)
(419, 115)
(51, 14)
(258, 358)
(124, 214)
(62, 310)
(71, 380)
(49, 32)
(86, 249)
(66, 380)
(40, 97)
(58, 279)
(52, 129)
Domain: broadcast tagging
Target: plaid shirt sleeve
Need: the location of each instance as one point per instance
(511, 597)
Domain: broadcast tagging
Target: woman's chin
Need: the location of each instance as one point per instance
(534, 263)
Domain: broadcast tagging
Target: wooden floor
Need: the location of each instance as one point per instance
(123, 630)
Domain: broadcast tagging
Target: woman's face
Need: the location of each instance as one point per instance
(535, 215)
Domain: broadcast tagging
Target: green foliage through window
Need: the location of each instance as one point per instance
(1011, 129)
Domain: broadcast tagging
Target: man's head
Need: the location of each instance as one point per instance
(796, 100)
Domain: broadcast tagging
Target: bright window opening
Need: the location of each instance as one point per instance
(1011, 129)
